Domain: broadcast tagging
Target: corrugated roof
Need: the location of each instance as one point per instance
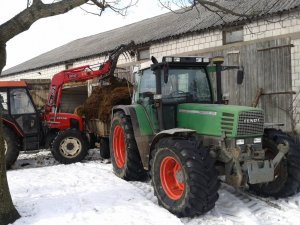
(168, 25)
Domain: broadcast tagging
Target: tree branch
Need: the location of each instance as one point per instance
(34, 2)
(2, 56)
(214, 6)
(221, 8)
(22, 21)
(114, 6)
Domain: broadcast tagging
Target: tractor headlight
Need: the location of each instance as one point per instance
(169, 59)
(240, 141)
(206, 60)
(198, 59)
(257, 140)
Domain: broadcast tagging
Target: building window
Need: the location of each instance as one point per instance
(233, 35)
(69, 66)
(144, 54)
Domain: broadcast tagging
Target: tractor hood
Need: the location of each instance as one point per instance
(219, 120)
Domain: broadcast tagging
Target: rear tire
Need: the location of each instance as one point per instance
(124, 153)
(184, 178)
(287, 174)
(69, 146)
(104, 148)
(12, 147)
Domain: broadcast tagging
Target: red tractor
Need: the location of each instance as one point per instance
(26, 128)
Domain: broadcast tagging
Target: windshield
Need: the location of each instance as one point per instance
(191, 83)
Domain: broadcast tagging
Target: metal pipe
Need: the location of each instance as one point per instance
(158, 101)
(218, 61)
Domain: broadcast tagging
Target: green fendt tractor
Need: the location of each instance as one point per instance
(175, 129)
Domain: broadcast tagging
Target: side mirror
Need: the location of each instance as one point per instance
(166, 72)
(240, 76)
(154, 60)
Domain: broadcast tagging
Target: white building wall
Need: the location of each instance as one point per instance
(276, 27)
(193, 43)
(282, 26)
(45, 73)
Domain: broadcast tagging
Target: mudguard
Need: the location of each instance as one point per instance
(144, 132)
(142, 129)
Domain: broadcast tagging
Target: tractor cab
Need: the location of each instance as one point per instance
(174, 81)
(19, 113)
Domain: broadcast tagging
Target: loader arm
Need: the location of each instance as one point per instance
(80, 74)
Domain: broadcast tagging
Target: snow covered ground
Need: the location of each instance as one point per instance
(45, 192)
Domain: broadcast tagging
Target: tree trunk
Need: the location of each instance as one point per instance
(16, 25)
(2, 56)
(8, 213)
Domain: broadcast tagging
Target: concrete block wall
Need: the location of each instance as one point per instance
(188, 44)
(272, 27)
(48, 72)
(45, 73)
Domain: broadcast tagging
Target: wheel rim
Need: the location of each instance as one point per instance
(119, 146)
(70, 147)
(172, 178)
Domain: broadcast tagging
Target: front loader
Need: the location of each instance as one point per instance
(26, 128)
(178, 132)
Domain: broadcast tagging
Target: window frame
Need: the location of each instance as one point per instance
(231, 30)
(143, 50)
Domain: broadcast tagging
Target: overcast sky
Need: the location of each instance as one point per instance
(49, 33)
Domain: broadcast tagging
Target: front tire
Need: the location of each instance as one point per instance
(124, 153)
(12, 148)
(184, 178)
(287, 174)
(69, 146)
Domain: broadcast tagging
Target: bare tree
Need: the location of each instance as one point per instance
(35, 10)
(238, 8)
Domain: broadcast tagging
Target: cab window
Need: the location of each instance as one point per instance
(20, 102)
(3, 101)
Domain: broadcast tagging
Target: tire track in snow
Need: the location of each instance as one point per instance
(233, 207)
(267, 212)
(223, 213)
(145, 189)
